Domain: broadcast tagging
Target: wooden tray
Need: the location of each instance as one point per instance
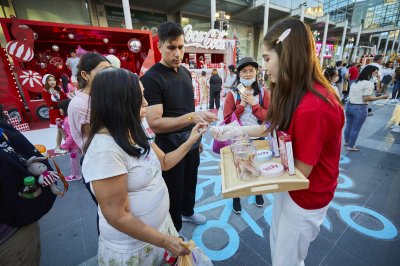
(232, 187)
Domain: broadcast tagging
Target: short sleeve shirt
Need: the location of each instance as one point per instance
(79, 115)
(360, 89)
(316, 131)
(147, 192)
(174, 90)
(73, 63)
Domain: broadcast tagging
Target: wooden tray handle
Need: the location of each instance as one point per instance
(264, 188)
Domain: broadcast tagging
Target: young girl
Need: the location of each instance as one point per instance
(331, 74)
(52, 94)
(69, 144)
(249, 102)
(304, 104)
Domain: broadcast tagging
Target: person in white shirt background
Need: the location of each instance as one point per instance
(72, 63)
(230, 79)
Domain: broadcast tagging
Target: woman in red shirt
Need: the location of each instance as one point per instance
(52, 94)
(304, 105)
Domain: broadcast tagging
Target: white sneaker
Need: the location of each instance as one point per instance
(394, 126)
(60, 151)
(196, 218)
(395, 130)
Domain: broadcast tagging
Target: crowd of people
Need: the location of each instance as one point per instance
(145, 188)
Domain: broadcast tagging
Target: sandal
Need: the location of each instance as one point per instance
(353, 149)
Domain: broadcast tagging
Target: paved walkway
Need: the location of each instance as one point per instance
(361, 228)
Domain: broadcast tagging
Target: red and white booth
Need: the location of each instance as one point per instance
(38, 48)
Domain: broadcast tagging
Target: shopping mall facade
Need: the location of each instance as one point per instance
(377, 21)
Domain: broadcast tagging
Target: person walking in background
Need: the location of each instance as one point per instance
(52, 95)
(331, 74)
(215, 89)
(69, 144)
(357, 109)
(396, 85)
(124, 171)
(353, 76)
(171, 115)
(339, 82)
(229, 80)
(67, 87)
(249, 102)
(203, 89)
(72, 63)
(387, 75)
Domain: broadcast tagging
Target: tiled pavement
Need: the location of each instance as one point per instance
(362, 225)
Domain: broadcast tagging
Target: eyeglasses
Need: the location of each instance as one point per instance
(245, 72)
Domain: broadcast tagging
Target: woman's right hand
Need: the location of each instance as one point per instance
(197, 131)
(175, 247)
(385, 96)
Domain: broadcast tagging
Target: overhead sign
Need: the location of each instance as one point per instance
(213, 39)
(328, 49)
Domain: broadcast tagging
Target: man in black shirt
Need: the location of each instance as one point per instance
(169, 92)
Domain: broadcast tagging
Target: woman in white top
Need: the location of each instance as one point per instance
(387, 74)
(124, 171)
(357, 109)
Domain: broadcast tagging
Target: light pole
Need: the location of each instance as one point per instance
(223, 20)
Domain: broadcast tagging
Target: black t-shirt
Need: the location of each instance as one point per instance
(174, 90)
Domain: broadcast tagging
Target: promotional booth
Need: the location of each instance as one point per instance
(38, 48)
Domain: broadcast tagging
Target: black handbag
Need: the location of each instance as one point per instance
(178, 138)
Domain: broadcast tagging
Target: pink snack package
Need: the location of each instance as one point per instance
(286, 152)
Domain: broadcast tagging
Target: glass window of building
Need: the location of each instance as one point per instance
(140, 19)
(61, 11)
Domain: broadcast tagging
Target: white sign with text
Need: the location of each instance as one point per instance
(213, 39)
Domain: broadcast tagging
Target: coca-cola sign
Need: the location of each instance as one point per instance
(213, 39)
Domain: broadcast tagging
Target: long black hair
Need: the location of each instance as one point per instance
(87, 63)
(366, 73)
(116, 99)
(64, 82)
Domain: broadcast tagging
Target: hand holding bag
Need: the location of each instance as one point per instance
(219, 144)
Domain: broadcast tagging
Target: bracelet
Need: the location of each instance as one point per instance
(191, 116)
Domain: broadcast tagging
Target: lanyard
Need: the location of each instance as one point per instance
(5, 146)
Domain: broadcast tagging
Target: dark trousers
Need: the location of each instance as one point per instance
(214, 97)
(181, 182)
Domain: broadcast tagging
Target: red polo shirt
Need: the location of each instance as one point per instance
(316, 130)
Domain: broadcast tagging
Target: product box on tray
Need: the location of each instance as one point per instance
(286, 152)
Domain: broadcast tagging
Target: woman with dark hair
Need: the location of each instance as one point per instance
(357, 109)
(52, 95)
(78, 109)
(387, 74)
(332, 75)
(249, 102)
(125, 173)
(215, 89)
(304, 105)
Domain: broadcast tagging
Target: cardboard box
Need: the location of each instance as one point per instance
(233, 187)
(286, 151)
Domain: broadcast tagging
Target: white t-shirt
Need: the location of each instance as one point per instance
(78, 115)
(360, 89)
(147, 193)
(73, 63)
(230, 79)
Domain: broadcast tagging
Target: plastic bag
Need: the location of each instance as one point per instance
(196, 258)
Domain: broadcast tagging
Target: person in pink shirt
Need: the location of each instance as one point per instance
(69, 144)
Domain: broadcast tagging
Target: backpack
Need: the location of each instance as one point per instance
(14, 210)
(340, 80)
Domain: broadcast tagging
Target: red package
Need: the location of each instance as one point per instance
(286, 152)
